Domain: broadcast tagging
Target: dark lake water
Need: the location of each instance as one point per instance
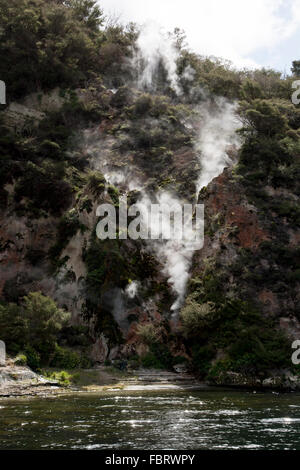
(152, 420)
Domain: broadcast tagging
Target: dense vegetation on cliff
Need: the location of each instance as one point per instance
(74, 103)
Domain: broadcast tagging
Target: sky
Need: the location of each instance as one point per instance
(250, 33)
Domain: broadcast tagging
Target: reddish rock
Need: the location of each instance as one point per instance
(269, 299)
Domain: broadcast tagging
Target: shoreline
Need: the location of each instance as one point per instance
(23, 382)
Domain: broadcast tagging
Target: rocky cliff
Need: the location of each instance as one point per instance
(110, 122)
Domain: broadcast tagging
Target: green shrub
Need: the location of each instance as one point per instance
(142, 105)
(44, 187)
(21, 360)
(150, 360)
(114, 194)
(33, 358)
(159, 357)
(75, 335)
(51, 149)
(67, 228)
(62, 377)
(86, 204)
(202, 357)
(148, 333)
(106, 267)
(220, 366)
(196, 316)
(65, 359)
(180, 360)
(163, 354)
(96, 183)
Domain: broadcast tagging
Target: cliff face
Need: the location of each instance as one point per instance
(247, 271)
(51, 245)
(94, 117)
(243, 241)
(123, 289)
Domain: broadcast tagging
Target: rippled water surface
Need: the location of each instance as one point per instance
(153, 420)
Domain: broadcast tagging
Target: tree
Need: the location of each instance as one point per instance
(44, 320)
(87, 12)
(47, 44)
(250, 90)
(35, 324)
(13, 327)
(262, 117)
(296, 68)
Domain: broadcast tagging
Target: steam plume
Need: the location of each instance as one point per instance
(155, 47)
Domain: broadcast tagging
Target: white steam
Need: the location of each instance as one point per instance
(215, 146)
(177, 259)
(119, 178)
(176, 253)
(217, 136)
(155, 47)
(132, 289)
